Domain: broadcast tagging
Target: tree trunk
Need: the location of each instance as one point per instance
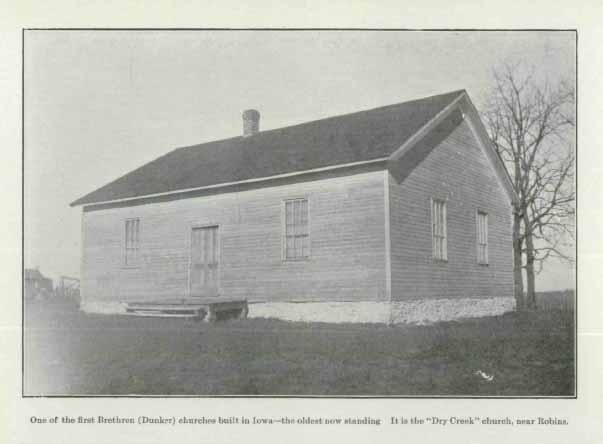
(517, 261)
(530, 276)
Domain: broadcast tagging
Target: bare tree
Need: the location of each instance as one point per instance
(532, 127)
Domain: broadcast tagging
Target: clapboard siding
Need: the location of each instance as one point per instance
(347, 234)
(449, 165)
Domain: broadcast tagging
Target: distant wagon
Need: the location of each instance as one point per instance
(396, 214)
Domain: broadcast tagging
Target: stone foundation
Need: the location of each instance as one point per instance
(435, 310)
(419, 312)
(332, 312)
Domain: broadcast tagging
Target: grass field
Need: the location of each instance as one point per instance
(68, 352)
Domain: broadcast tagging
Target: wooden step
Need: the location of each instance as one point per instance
(206, 309)
(156, 314)
(170, 307)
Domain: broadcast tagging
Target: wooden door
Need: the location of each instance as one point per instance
(205, 266)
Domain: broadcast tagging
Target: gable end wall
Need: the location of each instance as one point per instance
(449, 164)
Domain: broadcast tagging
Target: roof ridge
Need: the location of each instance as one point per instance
(309, 122)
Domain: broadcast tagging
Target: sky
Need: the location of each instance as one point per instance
(99, 104)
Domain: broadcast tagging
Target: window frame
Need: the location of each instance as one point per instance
(478, 240)
(128, 261)
(435, 252)
(284, 235)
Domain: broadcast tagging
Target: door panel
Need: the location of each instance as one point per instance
(205, 266)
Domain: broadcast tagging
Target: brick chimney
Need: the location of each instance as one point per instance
(251, 122)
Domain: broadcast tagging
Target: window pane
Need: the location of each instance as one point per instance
(439, 219)
(436, 217)
(289, 247)
(480, 226)
(297, 212)
(289, 213)
(132, 240)
(127, 237)
(304, 214)
(443, 218)
(129, 233)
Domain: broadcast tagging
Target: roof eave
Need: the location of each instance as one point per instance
(83, 202)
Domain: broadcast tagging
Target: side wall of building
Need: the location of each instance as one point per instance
(449, 165)
(347, 235)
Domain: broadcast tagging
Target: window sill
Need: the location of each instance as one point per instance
(130, 267)
(297, 259)
(483, 264)
(440, 261)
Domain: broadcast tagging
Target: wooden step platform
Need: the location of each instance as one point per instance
(197, 308)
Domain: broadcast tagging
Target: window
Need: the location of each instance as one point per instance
(438, 222)
(297, 239)
(482, 237)
(132, 241)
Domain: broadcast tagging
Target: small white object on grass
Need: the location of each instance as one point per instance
(484, 375)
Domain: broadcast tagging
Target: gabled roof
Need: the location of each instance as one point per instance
(347, 139)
